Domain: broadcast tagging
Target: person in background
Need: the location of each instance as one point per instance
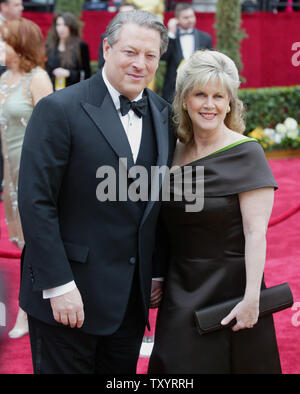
(22, 85)
(185, 39)
(68, 58)
(218, 252)
(9, 9)
(123, 7)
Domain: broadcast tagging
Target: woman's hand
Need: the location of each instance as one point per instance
(61, 72)
(246, 314)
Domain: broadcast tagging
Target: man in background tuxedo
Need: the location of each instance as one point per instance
(10, 9)
(184, 41)
(88, 258)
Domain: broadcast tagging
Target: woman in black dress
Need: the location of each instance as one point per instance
(68, 58)
(219, 252)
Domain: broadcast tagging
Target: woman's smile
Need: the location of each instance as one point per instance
(208, 116)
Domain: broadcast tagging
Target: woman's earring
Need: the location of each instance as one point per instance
(228, 109)
(184, 106)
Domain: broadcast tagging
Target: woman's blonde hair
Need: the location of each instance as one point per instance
(204, 66)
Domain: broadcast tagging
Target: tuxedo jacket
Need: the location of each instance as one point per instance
(70, 234)
(174, 56)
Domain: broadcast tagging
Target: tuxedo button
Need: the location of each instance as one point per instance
(132, 260)
(31, 273)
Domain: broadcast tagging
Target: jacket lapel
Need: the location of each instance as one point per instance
(197, 40)
(178, 48)
(107, 120)
(160, 120)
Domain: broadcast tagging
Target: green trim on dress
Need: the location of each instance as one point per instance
(231, 146)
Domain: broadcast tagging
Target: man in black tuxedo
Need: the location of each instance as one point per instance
(88, 258)
(184, 41)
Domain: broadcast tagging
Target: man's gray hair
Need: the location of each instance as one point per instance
(140, 18)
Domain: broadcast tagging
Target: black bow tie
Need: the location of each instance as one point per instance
(186, 32)
(139, 107)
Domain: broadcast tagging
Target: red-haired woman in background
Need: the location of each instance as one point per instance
(68, 56)
(23, 84)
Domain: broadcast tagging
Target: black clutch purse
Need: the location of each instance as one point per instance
(273, 299)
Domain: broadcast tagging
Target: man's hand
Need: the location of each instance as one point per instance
(68, 309)
(172, 25)
(156, 293)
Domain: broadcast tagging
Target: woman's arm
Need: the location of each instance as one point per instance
(52, 62)
(54, 69)
(256, 207)
(40, 87)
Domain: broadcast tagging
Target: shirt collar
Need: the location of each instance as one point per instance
(191, 30)
(114, 93)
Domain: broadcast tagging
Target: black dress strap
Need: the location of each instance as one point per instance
(241, 168)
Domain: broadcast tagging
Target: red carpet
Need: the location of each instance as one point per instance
(283, 265)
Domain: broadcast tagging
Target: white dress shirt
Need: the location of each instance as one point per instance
(133, 127)
(131, 122)
(187, 42)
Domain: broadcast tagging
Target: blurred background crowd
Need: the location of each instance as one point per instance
(199, 5)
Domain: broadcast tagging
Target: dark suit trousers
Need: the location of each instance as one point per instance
(65, 350)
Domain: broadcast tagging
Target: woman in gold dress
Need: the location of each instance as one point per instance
(23, 84)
